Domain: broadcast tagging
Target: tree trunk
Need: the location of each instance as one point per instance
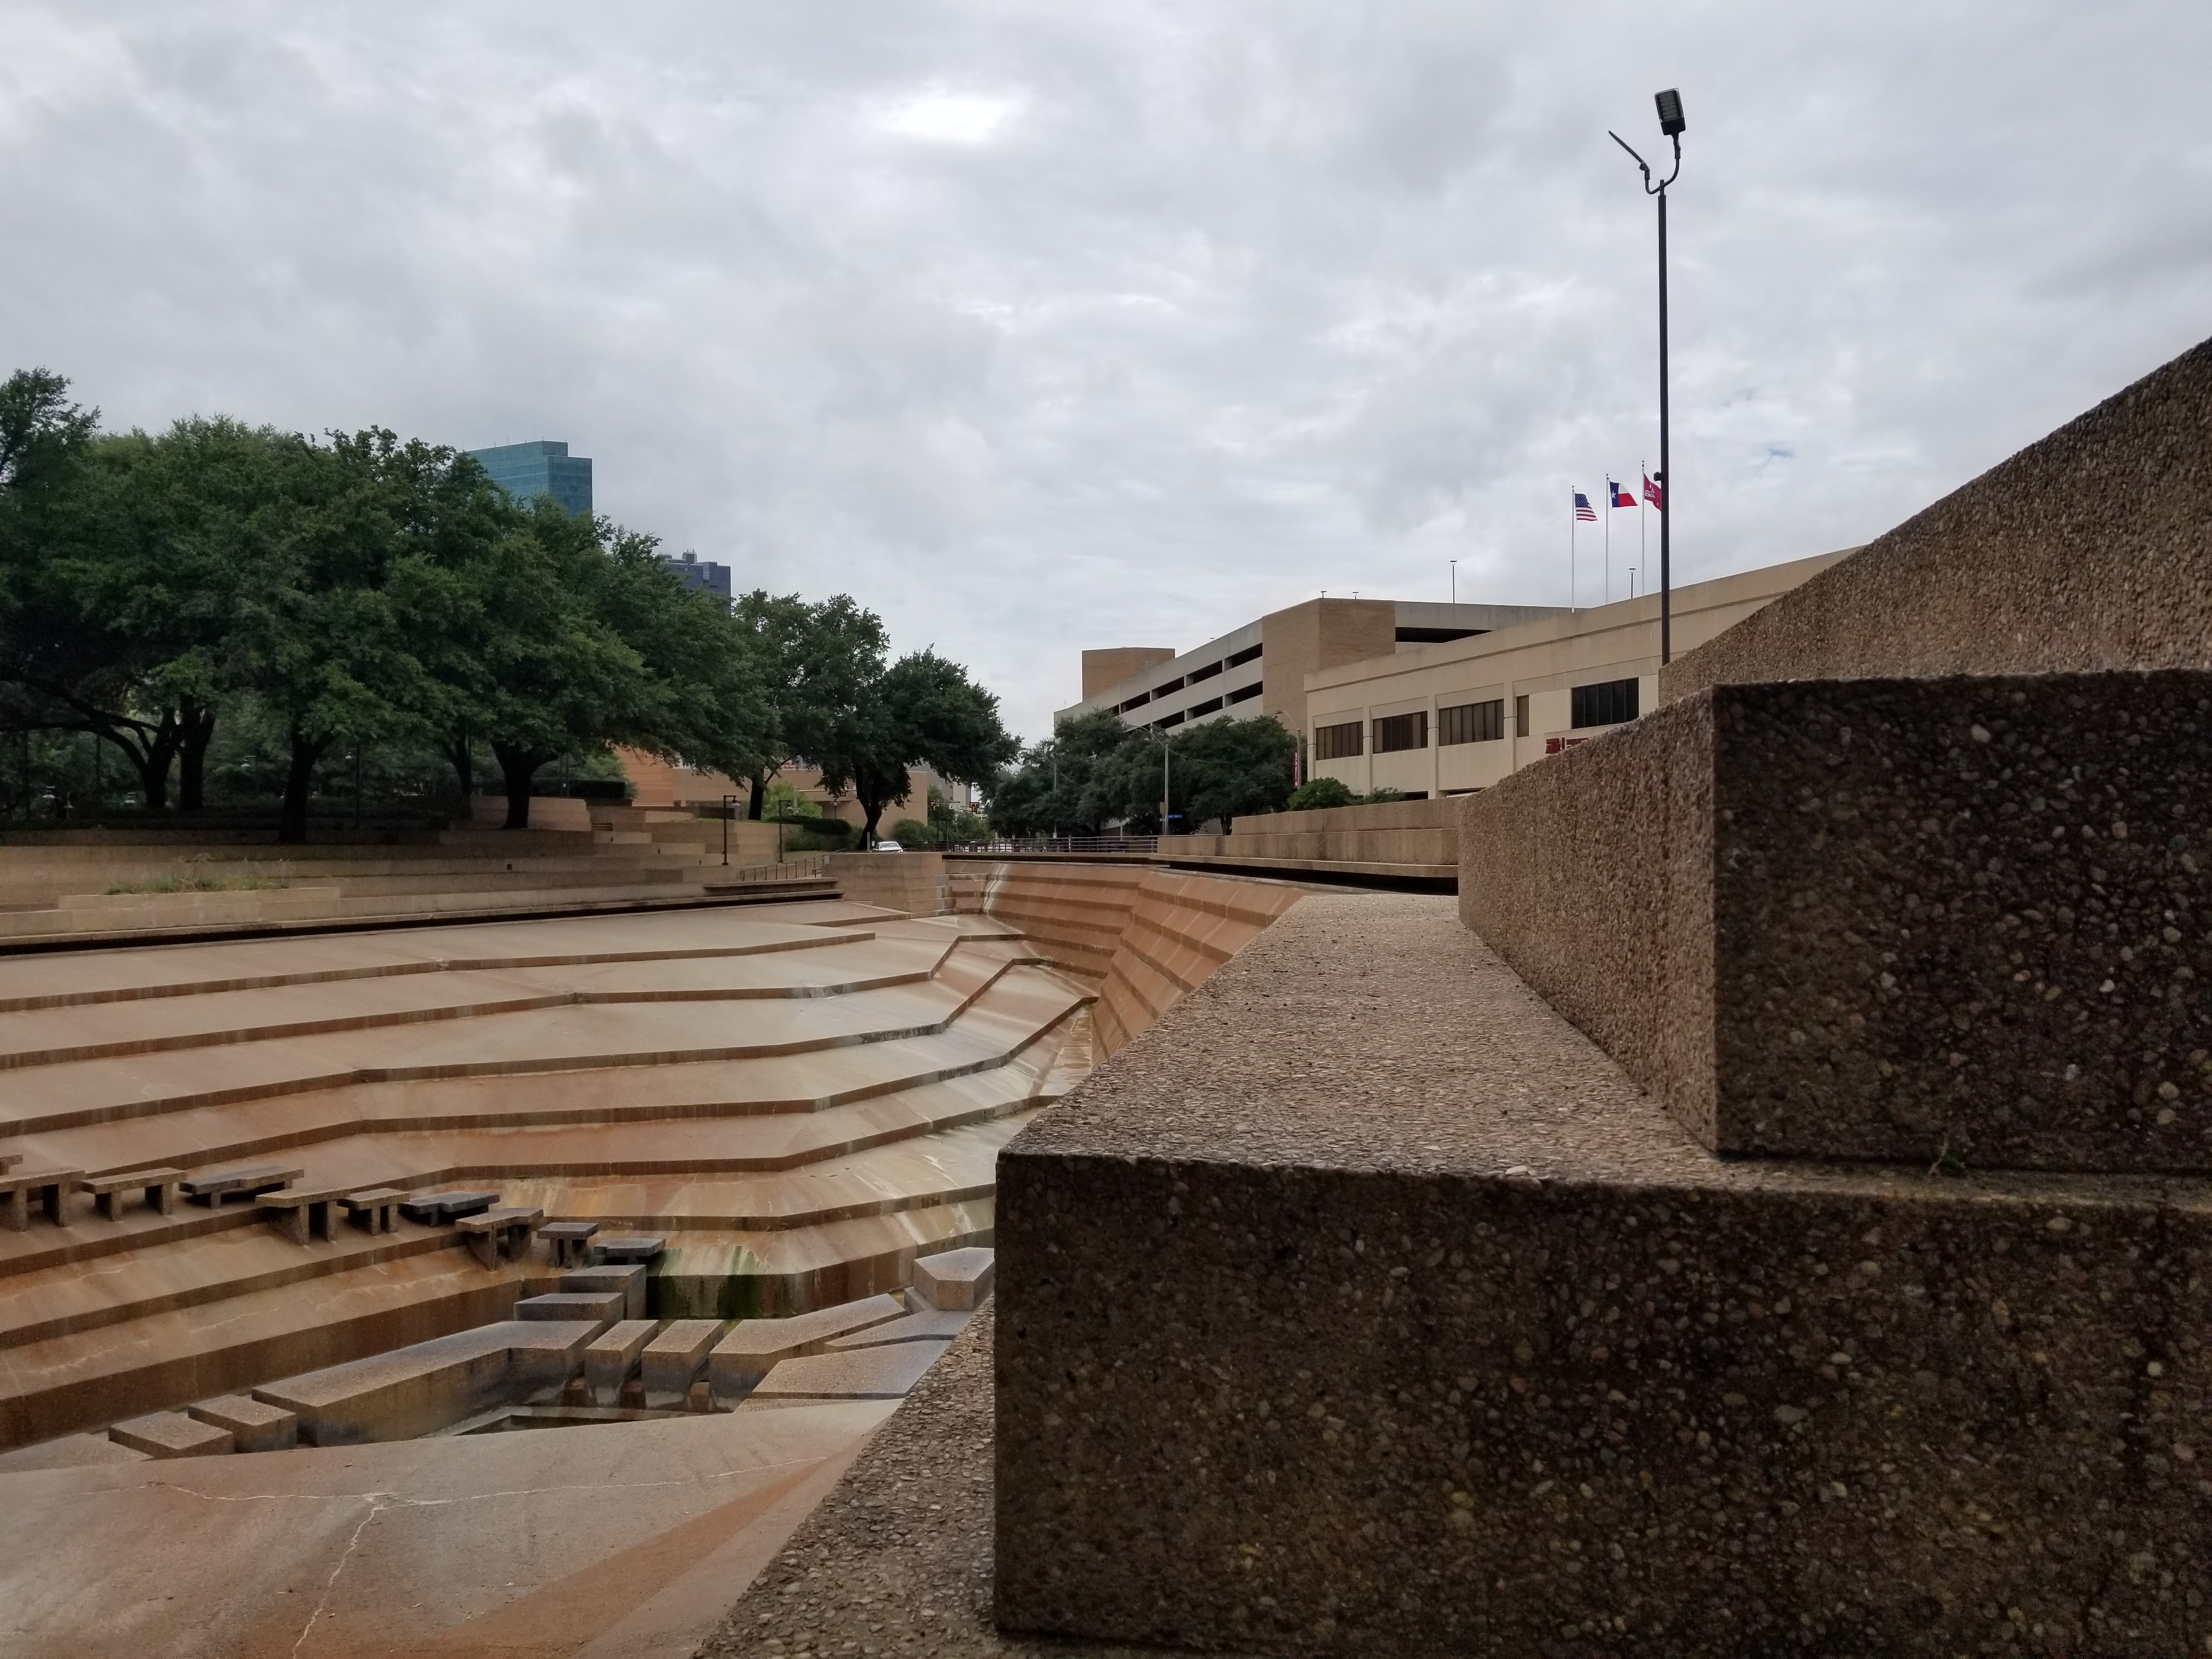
(462, 753)
(758, 809)
(518, 766)
(195, 730)
(299, 780)
(151, 759)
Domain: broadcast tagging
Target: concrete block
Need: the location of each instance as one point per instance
(629, 1281)
(1922, 920)
(930, 1326)
(756, 1347)
(954, 1280)
(252, 1425)
(599, 1308)
(171, 1434)
(612, 1359)
(885, 1373)
(71, 1451)
(676, 1360)
(1500, 1354)
(413, 1391)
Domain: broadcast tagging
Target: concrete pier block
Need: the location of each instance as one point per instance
(171, 1434)
(253, 1426)
(1963, 921)
(612, 1359)
(954, 1280)
(676, 1360)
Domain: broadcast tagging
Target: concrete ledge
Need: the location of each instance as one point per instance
(1911, 919)
(1364, 1307)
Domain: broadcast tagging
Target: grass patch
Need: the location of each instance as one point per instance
(198, 884)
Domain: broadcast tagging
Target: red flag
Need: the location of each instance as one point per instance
(1651, 493)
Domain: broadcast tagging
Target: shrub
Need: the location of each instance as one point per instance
(1316, 793)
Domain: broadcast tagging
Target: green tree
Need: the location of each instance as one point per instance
(1317, 792)
(922, 710)
(1226, 769)
(1059, 786)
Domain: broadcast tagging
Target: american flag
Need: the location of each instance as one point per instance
(1583, 510)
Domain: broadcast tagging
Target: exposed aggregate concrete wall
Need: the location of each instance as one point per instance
(1922, 918)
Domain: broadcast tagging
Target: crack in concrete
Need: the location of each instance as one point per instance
(375, 1508)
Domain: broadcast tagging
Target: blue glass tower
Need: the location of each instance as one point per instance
(542, 468)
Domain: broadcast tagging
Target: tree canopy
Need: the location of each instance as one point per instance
(358, 592)
(1094, 771)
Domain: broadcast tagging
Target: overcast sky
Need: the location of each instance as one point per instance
(1038, 326)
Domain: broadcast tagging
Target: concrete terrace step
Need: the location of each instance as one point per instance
(569, 1037)
(999, 1029)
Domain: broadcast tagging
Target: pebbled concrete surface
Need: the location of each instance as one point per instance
(897, 1559)
(1905, 918)
(1364, 1307)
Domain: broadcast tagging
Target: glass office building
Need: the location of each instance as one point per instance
(544, 467)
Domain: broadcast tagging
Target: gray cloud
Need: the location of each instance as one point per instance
(1039, 327)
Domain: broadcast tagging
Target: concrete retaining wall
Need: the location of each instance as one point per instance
(1146, 938)
(910, 882)
(1390, 832)
(1909, 918)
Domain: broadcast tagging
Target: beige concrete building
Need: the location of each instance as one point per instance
(1261, 668)
(1449, 718)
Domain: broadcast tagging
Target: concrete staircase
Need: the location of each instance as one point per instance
(800, 1098)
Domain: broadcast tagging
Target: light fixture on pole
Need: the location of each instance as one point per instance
(1671, 126)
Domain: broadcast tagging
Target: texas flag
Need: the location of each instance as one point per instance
(1651, 493)
(1619, 494)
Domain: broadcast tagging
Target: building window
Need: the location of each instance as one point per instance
(1212, 705)
(1472, 722)
(1335, 742)
(1520, 717)
(1606, 704)
(1399, 732)
(1237, 659)
(1244, 695)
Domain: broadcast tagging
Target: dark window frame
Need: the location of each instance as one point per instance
(1471, 722)
(1339, 741)
(1607, 702)
(1398, 734)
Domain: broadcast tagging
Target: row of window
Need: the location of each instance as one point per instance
(1235, 659)
(1607, 703)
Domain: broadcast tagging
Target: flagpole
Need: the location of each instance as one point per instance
(1643, 501)
(1570, 549)
(1608, 542)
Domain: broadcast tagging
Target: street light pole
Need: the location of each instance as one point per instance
(1671, 126)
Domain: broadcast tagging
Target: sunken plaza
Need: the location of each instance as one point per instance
(1764, 1208)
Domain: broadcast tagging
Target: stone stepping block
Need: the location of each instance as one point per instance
(46, 1187)
(626, 1250)
(885, 1373)
(675, 1359)
(930, 1325)
(418, 1390)
(756, 1346)
(440, 1209)
(248, 1180)
(172, 1434)
(570, 1241)
(612, 1357)
(160, 1186)
(954, 1280)
(630, 1283)
(253, 1426)
(602, 1308)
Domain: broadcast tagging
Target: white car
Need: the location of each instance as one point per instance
(888, 847)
